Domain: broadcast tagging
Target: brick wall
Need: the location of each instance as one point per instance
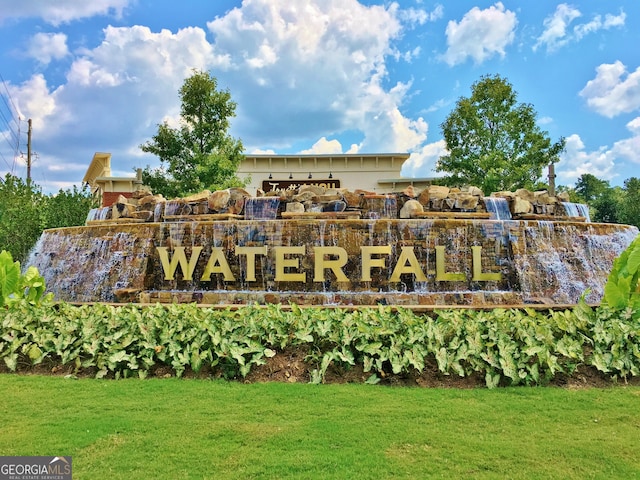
(109, 198)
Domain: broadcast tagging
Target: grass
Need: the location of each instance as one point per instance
(200, 429)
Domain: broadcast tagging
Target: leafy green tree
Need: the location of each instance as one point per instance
(68, 207)
(589, 187)
(630, 205)
(608, 206)
(20, 216)
(199, 154)
(494, 142)
(25, 211)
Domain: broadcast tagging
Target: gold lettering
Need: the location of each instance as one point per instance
(441, 275)
(478, 274)
(407, 255)
(368, 262)
(179, 258)
(217, 264)
(282, 263)
(251, 253)
(321, 263)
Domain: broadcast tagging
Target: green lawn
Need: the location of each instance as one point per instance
(178, 428)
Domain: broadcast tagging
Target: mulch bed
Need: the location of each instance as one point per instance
(289, 366)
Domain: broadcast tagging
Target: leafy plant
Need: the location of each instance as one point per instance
(15, 287)
(622, 289)
(503, 346)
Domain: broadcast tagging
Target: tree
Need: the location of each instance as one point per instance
(608, 205)
(25, 212)
(589, 187)
(68, 208)
(630, 207)
(199, 154)
(20, 216)
(493, 142)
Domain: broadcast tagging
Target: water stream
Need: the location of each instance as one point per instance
(414, 261)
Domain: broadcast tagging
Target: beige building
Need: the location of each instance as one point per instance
(105, 186)
(374, 172)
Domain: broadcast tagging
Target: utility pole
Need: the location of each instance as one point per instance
(29, 154)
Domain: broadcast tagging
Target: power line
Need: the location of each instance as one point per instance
(5, 161)
(13, 137)
(9, 95)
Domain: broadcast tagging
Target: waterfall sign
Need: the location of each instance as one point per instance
(288, 259)
(332, 261)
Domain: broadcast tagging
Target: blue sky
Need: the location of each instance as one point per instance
(313, 76)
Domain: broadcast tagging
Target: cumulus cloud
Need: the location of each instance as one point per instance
(422, 163)
(324, 146)
(33, 100)
(629, 148)
(576, 160)
(117, 91)
(613, 91)
(60, 11)
(278, 50)
(480, 35)
(557, 31)
(296, 71)
(45, 47)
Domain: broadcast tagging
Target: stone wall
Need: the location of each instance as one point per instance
(316, 202)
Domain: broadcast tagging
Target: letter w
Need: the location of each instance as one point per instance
(179, 258)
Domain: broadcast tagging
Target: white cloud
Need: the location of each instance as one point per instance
(33, 100)
(613, 91)
(296, 70)
(629, 148)
(324, 146)
(115, 93)
(634, 126)
(576, 161)
(259, 151)
(56, 12)
(603, 162)
(437, 105)
(422, 163)
(480, 35)
(557, 32)
(415, 16)
(322, 73)
(45, 47)
(555, 27)
(597, 23)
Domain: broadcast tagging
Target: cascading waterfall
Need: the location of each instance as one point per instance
(261, 208)
(576, 210)
(439, 261)
(498, 207)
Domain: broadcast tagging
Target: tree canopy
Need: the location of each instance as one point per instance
(590, 188)
(494, 142)
(25, 211)
(199, 153)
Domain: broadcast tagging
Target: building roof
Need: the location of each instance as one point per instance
(100, 166)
